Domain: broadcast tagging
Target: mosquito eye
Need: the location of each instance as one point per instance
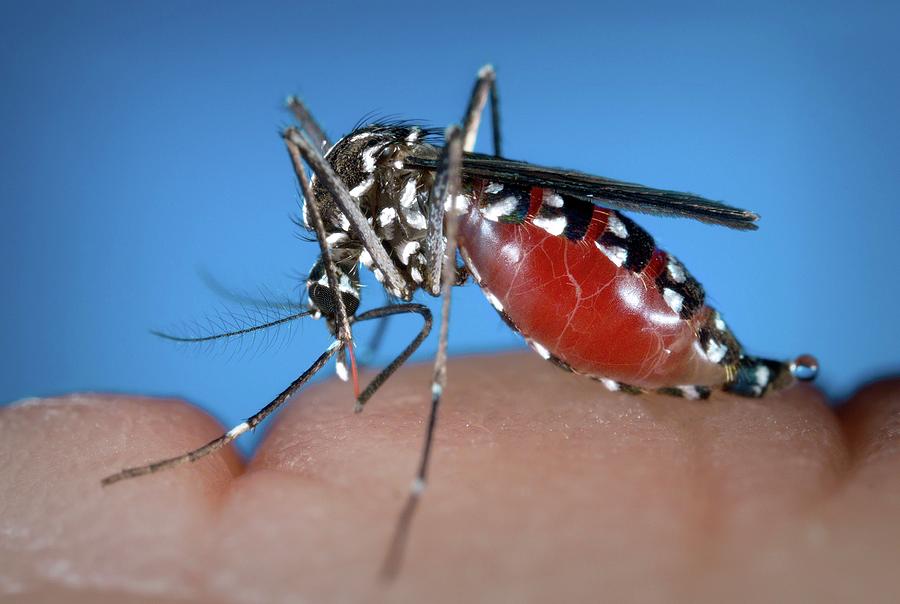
(351, 303)
(322, 298)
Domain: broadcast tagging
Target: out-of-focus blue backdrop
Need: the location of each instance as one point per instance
(140, 145)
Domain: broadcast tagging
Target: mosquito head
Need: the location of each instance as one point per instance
(322, 297)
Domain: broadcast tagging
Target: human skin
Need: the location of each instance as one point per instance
(544, 487)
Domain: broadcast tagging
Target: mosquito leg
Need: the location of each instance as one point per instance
(485, 85)
(395, 281)
(321, 236)
(309, 124)
(380, 313)
(446, 188)
(217, 443)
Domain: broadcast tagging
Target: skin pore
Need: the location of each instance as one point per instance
(544, 487)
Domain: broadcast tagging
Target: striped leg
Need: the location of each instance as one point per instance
(446, 189)
(217, 443)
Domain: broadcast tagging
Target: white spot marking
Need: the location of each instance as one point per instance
(673, 299)
(461, 204)
(497, 210)
(407, 250)
(436, 390)
(715, 351)
(378, 274)
(368, 157)
(689, 392)
(494, 187)
(306, 213)
(676, 271)
(493, 300)
(415, 219)
(719, 322)
(366, 259)
(238, 430)
(618, 255)
(398, 164)
(554, 226)
(417, 487)
(415, 274)
(345, 286)
(341, 370)
(387, 216)
(345, 222)
(359, 137)
(762, 376)
(362, 187)
(552, 199)
(616, 226)
(611, 385)
(413, 136)
(408, 197)
(538, 348)
(335, 237)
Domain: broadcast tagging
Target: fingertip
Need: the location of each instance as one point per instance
(62, 528)
(871, 421)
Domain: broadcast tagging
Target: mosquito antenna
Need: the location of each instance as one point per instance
(238, 332)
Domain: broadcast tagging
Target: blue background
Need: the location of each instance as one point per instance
(140, 145)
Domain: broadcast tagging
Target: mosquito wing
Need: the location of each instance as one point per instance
(600, 191)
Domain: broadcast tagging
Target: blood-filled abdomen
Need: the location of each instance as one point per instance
(589, 289)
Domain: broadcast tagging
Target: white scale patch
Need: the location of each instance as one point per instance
(408, 196)
(413, 136)
(617, 227)
(362, 187)
(762, 376)
(414, 218)
(673, 299)
(387, 216)
(345, 222)
(719, 322)
(415, 274)
(461, 204)
(552, 199)
(366, 259)
(341, 370)
(378, 275)
(554, 226)
(493, 300)
(676, 271)
(238, 430)
(493, 188)
(408, 250)
(335, 237)
(611, 385)
(368, 157)
(715, 351)
(618, 255)
(689, 392)
(501, 208)
(538, 348)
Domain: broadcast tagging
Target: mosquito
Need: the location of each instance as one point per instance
(583, 284)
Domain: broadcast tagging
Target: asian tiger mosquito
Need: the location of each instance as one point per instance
(387, 197)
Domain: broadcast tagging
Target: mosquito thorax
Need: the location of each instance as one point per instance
(370, 161)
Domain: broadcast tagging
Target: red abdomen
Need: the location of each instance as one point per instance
(587, 287)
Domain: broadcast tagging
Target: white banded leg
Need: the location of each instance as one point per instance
(446, 187)
(217, 443)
